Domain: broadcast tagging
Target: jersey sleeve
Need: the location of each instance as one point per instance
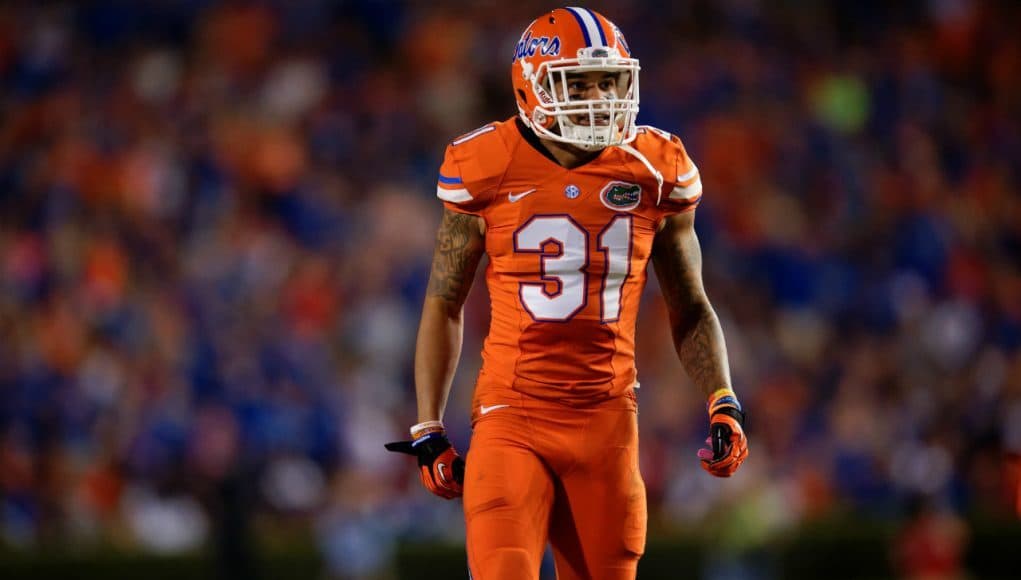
(452, 189)
(685, 189)
(472, 168)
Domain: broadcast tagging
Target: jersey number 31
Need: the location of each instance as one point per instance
(566, 268)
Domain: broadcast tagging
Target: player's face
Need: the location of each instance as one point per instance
(591, 86)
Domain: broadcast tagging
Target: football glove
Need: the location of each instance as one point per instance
(727, 446)
(441, 468)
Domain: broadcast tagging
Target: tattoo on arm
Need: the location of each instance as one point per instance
(697, 335)
(459, 247)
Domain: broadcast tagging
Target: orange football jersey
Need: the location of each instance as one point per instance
(567, 250)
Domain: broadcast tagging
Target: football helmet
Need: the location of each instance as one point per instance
(573, 41)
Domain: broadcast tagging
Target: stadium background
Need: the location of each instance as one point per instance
(216, 220)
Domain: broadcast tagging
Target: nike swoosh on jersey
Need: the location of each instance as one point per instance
(513, 197)
(484, 409)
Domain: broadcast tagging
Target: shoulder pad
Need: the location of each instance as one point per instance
(473, 166)
(681, 180)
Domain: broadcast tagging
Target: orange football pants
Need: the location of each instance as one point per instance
(541, 471)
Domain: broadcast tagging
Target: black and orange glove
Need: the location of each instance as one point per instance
(727, 446)
(442, 469)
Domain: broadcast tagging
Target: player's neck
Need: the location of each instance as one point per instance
(568, 155)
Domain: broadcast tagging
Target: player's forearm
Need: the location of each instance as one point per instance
(697, 335)
(702, 349)
(437, 352)
(459, 247)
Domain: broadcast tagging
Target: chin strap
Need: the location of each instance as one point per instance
(659, 176)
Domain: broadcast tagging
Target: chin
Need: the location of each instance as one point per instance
(589, 148)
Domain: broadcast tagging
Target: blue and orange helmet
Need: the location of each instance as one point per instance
(569, 41)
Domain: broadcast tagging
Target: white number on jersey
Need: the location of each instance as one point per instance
(566, 267)
(615, 244)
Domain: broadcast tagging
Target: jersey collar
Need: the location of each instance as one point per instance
(532, 139)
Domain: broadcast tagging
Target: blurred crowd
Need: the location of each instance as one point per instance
(216, 221)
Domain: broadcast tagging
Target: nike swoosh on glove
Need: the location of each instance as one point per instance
(441, 468)
(727, 446)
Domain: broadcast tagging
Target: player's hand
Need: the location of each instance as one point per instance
(441, 468)
(727, 446)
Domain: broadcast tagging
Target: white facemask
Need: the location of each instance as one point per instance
(610, 121)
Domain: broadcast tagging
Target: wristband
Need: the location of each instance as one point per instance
(424, 428)
(722, 398)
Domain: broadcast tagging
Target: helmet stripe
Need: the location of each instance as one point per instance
(589, 25)
(599, 27)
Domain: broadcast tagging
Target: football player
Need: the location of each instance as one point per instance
(570, 200)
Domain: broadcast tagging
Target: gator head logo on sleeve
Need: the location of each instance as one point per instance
(621, 196)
